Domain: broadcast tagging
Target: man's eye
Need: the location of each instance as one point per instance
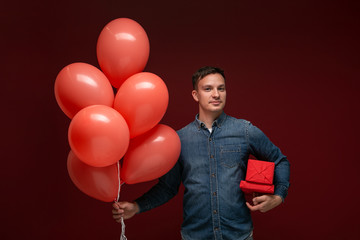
(207, 89)
(222, 89)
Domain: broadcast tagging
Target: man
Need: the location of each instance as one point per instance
(214, 152)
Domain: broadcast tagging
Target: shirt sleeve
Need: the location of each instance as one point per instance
(163, 191)
(263, 149)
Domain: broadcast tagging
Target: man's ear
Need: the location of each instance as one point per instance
(195, 95)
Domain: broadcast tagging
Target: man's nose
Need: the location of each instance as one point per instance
(215, 93)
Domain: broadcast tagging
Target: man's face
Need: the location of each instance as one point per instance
(211, 93)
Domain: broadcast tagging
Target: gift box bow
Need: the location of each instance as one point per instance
(260, 171)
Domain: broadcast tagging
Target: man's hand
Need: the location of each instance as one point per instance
(124, 210)
(264, 203)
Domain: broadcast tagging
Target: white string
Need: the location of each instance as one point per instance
(122, 236)
(119, 188)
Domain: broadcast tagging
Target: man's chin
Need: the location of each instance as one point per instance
(216, 110)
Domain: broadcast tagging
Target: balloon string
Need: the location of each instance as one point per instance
(119, 188)
(122, 236)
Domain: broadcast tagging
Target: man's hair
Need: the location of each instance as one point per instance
(203, 72)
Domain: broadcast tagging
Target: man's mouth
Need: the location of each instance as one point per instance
(215, 102)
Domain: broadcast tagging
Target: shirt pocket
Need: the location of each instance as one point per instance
(230, 155)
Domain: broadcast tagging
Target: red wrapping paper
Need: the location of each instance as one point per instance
(249, 187)
(260, 172)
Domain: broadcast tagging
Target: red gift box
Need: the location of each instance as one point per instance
(260, 172)
(249, 187)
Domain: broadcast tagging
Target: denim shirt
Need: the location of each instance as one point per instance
(211, 166)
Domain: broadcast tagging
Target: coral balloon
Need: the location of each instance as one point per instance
(79, 85)
(151, 155)
(142, 100)
(99, 183)
(122, 50)
(99, 135)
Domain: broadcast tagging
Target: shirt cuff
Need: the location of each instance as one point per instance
(281, 191)
(144, 204)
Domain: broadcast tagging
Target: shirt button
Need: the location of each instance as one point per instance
(209, 139)
(214, 193)
(216, 229)
(213, 175)
(211, 156)
(215, 212)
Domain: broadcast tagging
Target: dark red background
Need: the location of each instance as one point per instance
(292, 69)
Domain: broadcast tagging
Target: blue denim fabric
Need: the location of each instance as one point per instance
(211, 166)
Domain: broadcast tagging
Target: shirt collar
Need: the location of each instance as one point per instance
(218, 122)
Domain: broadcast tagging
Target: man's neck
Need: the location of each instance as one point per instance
(208, 118)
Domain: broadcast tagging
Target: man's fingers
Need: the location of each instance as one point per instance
(116, 205)
(252, 208)
(123, 210)
(117, 218)
(117, 211)
(123, 205)
(260, 199)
